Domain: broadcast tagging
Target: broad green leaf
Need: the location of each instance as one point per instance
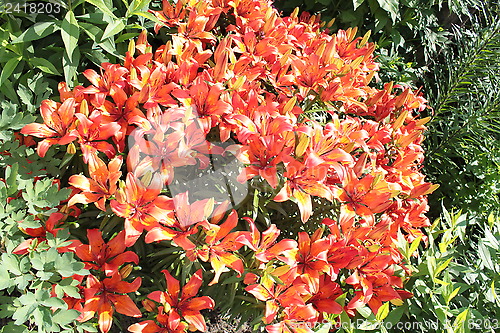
(126, 36)
(64, 317)
(70, 33)
(44, 65)
(357, 3)
(8, 89)
(113, 28)
(70, 66)
(102, 6)
(55, 302)
(383, 311)
(11, 173)
(5, 281)
(22, 314)
(11, 263)
(390, 6)
(37, 31)
(9, 68)
(13, 328)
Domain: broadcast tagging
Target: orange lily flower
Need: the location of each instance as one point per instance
(324, 299)
(276, 295)
(311, 258)
(141, 207)
(107, 296)
(107, 257)
(297, 319)
(58, 124)
(100, 186)
(301, 183)
(265, 246)
(185, 217)
(180, 305)
(219, 246)
(39, 235)
(92, 133)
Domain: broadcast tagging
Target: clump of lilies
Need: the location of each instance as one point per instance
(292, 103)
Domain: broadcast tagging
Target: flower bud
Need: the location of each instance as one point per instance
(126, 270)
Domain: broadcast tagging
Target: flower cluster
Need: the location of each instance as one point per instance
(292, 102)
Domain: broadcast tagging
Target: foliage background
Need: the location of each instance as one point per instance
(451, 48)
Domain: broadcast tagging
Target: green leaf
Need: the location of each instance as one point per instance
(22, 314)
(102, 6)
(37, 31)
(11, 173)
(414, 245)
(11, 263)
(357, 3)
(9, 68)
(44, 65)
(442, 266)
(70, 66)
(113, 28)
(13, 328)
(70, 32)
(460, 319)
(126, 36)
(64, 317)
(383, 311)
(5, 281)
(364, 311)
(55, 303)
(147, 15)
(452, 295)
(390, 6)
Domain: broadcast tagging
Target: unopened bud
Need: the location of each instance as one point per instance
(290, 104)
(71, 149)
(126, 270)
(84, 108)
(365, 38)
(131, 48)
(239, 82)
(149, 305)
